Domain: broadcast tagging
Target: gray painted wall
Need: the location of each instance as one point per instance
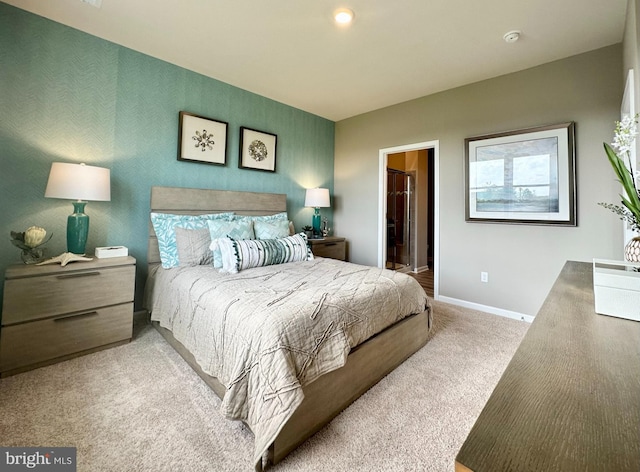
(522, 261)
(630, 57)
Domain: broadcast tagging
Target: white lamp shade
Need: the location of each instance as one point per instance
(79, 182)
(317, 197)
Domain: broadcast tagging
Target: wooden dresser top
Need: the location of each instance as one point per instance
(569, 399)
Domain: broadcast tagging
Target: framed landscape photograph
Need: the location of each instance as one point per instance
(522, 177)
(202, 139)
(257, 150)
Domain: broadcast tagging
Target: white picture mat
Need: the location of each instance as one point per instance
(564, 161)
(188, 149)
(248, 137)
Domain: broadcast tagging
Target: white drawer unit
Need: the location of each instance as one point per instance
(616, 285)
(52, 313)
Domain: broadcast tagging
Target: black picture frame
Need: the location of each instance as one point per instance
(202, 139)
(257, 150)
(522, 177)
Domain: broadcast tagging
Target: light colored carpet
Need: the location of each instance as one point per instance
(139, 407)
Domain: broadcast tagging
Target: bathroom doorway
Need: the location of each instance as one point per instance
(408, 209)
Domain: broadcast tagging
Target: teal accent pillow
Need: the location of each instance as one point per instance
(164, 226)
(241, 255)
(277, 216)
(271, 229)
(236, 229)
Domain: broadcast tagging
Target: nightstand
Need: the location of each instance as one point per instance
(331, 247)
(52, 313)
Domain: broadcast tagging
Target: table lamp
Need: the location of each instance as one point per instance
(82, 183)
(316, 198)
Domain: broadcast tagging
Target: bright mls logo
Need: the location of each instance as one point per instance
(37, 459)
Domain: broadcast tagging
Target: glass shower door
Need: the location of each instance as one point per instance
(398, 219)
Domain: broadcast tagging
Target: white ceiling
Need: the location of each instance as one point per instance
(395, 50)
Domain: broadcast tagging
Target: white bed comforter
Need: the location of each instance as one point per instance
(266, 332)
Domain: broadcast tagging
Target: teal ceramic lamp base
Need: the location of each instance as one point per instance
(315, 223)
(77, 229)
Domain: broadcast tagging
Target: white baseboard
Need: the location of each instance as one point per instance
(420, 269)
(487, 309)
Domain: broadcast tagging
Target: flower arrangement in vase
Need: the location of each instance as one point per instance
(624, 135)
(30, 242)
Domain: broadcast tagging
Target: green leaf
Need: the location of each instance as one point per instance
(632, 201)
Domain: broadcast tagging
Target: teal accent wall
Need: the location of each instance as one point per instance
(71, 97)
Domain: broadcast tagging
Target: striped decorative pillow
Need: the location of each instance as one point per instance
(244, 254)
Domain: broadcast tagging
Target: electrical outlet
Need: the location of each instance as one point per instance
(484, 277)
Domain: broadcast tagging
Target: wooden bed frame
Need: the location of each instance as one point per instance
(327, 396)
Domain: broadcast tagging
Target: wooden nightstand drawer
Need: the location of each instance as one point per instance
(37, 341)
(31, 298)
(331, 247)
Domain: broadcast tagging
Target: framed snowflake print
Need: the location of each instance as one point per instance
(257, 150)
(202, 139)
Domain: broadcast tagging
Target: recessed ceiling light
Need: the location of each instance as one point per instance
(511, 36)
(343, 16)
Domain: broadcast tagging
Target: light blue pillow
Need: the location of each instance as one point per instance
(277, 216)
(271, 229)
(236, 229)
(241, 255)
(164, 225)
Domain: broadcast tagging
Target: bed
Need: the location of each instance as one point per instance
(199, 309)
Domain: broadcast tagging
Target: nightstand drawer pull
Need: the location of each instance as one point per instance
(81, 274)
(331, 244)
(75, 316)
(47, 295)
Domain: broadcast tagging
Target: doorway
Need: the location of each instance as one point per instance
(408, 234)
